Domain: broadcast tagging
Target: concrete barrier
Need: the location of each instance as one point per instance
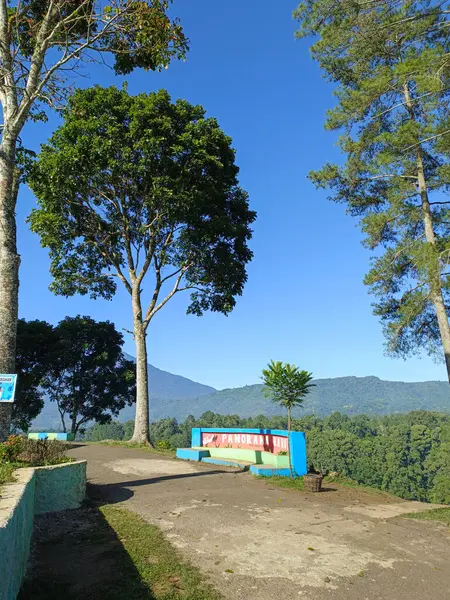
(34, 491)
(62, 437)
(16, 528)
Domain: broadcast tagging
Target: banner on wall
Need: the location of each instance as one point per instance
(8, 385)
(248, 441)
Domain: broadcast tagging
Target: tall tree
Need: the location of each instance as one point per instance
(288, 387)
(41, 43)
(91, 379)
(389, 63)
(140, 188)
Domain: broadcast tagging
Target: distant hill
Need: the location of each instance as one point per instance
(165, 389)
(175, 396)
(350, 395)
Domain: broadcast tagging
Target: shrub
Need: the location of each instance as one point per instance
(163, 445)
(11, 449)
(43, 452)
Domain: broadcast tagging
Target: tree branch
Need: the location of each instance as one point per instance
(151, 312)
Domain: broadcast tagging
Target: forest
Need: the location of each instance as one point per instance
(407, 455)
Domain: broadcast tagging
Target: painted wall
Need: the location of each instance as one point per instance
(63, 437)
(253, 456)
(35, 491)
(60, 487)
(216, 437)
(16, 528)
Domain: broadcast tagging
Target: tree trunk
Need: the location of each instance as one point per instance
(434, 270)
(289, 443)
(74, 427)
(141, 433)
(9, 269)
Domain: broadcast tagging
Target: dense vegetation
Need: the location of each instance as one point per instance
(407, 455)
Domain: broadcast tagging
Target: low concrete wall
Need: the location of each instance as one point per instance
(16, 527)
(35, 491)
(60, 487)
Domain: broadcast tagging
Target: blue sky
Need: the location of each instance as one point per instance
(304, 301)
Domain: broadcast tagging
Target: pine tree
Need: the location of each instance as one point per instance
(388, 61)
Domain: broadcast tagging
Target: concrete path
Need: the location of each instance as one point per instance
(258, 542)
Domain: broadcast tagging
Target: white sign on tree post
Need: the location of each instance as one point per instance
(7, 388)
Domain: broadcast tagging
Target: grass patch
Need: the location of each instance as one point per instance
(298, 484)
(346, 482)
(118, 556)
(435, 514)
(157, 562)
(133, 446)
(284, 482)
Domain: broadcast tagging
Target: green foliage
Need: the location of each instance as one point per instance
(35, 357)
(6, 473)
(286, 385)
(10, 450)
(436, 514)
(283, 482)
(90, 378)
(40, 453)
(388, 62)
(105, 431)
(22, 452)
(134, 34)
(140, 182)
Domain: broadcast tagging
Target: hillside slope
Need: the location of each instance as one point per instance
(351, 395)
(175, 396)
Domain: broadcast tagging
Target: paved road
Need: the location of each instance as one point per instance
(259, 542)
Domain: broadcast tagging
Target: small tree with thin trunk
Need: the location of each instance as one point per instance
(287, 386)
(142, 191)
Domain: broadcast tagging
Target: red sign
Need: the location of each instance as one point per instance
(250, 441)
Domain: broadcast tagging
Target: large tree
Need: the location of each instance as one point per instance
(90, 380)
(42, 42)
(142, 191)
(389, 64)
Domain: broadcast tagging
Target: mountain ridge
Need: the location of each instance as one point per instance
(177, 396)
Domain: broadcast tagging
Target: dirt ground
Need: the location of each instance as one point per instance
(259, 542)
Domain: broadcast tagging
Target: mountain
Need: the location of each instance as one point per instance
(350, 395)
(165, 389)
(175, 396)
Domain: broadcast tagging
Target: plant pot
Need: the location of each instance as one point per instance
(312, 482)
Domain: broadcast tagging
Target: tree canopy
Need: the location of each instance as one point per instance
(136, 186)
(36, 357)
(130, 183)
(389, 64)
(91, 380)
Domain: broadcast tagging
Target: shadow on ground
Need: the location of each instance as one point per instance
(112, 493)
(76, 555)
